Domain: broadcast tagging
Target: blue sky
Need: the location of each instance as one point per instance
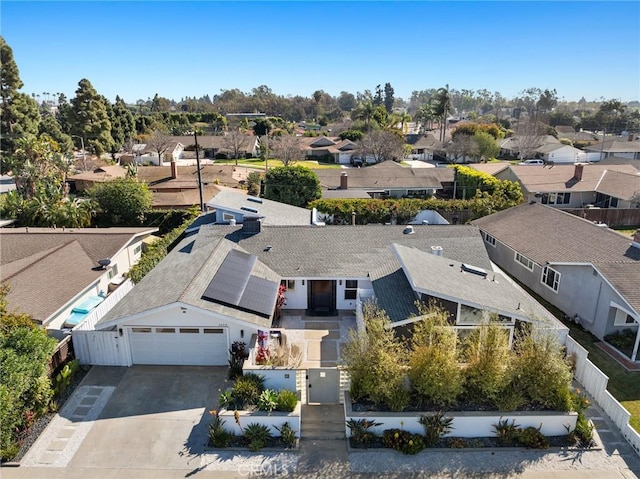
(178, 49)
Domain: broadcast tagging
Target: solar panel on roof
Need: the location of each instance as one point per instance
(234, 285)
(231, 278)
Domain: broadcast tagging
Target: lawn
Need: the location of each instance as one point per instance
(259, 163)
(626, 231)
(623, 385)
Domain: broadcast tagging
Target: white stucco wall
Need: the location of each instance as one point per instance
(297, 298)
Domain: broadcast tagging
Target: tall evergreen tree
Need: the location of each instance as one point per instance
(123, 126)
(20, 115)
(50, 126)
(388, 97)
(89, 118)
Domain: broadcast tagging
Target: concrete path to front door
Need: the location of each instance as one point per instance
(319, 338)
(323, 447)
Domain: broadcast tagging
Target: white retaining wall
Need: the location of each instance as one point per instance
(271, 420)
(468, 423)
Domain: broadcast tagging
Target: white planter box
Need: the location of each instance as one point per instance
(271, 420)
(467, 423)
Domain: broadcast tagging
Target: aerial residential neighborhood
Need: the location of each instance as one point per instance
(271, 250)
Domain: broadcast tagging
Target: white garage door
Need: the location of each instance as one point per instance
(179, 346)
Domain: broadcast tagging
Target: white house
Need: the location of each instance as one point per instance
(52, 271)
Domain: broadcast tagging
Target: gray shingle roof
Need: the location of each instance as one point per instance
(347, 251)
(444, 277)
(618, 184)
(183, 276)
(274, 212)
(47, 268)
(545, 234)
(393, 291)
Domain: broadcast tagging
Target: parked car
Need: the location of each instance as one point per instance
(532, 162)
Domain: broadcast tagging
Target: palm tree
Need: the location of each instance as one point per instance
(364, 111)
(425, 115)
(405, 118)
(442, 107)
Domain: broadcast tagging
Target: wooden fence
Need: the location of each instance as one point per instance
(609, 216)
(62, 355)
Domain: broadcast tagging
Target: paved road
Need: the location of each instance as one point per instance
(151, 422)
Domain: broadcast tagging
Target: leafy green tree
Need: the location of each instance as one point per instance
(25, 388)
(38, 166)
(381, 146)
(346, 101)
(487, 146)
(353, 135)
(262, 126)
(253, 183)
(295, 185)
(365, 111)
(50, 126)
(123, 201)
(89, 118)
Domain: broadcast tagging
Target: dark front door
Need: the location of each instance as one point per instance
(322, 298)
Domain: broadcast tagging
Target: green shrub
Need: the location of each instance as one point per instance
(360, 433)
(247, 390)
(532, 437)
(434, 371)
(257, 436)
(374, 359)
(506, 433)
(226, 400)
(488, 354)
(541, 371)
(286, 401)
(436, 426)
(64, 378)
(403, 441)
(268, 400)
(287, 435)
(510, 399)
(218, 435)
(457, 443)
(623, 340)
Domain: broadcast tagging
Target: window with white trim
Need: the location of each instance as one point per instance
(113, 272)
(351, 289)
(490, 239)
(623, 318)
(137, 249)
(551, 278)
(556, 198)
(524, 261)
(228, 217)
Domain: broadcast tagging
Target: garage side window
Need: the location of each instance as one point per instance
(213, 331)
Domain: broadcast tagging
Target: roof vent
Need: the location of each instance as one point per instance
(254, 199)
(436, 250)
(467, 268)
(408, 230)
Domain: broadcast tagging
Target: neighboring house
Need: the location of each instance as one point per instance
(232, 205)
(51, 271)
(582, 137)
(559, 153)
(423, 147)
(388, 179)
(220, 285)
(521, 146)
(590, 272)
(622, 147)
(571, 186)
(323, 147)
(85, 180)
(215, 146)
(172, 186)
(618, 190)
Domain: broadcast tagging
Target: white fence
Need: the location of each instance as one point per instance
(105, 348)
(595, 383)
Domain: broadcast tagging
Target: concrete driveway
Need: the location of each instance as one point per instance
(149, 417)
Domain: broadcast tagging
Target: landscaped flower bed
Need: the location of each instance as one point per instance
(255, 417)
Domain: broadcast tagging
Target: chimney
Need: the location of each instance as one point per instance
(174, 169)
(436, 250)
(344, 180)
(630, 137)
(577, 174)
(636, 239)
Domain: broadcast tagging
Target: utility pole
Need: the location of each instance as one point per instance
(195, 137)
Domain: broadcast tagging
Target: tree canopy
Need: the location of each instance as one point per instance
(294, 185)
(123, 200)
